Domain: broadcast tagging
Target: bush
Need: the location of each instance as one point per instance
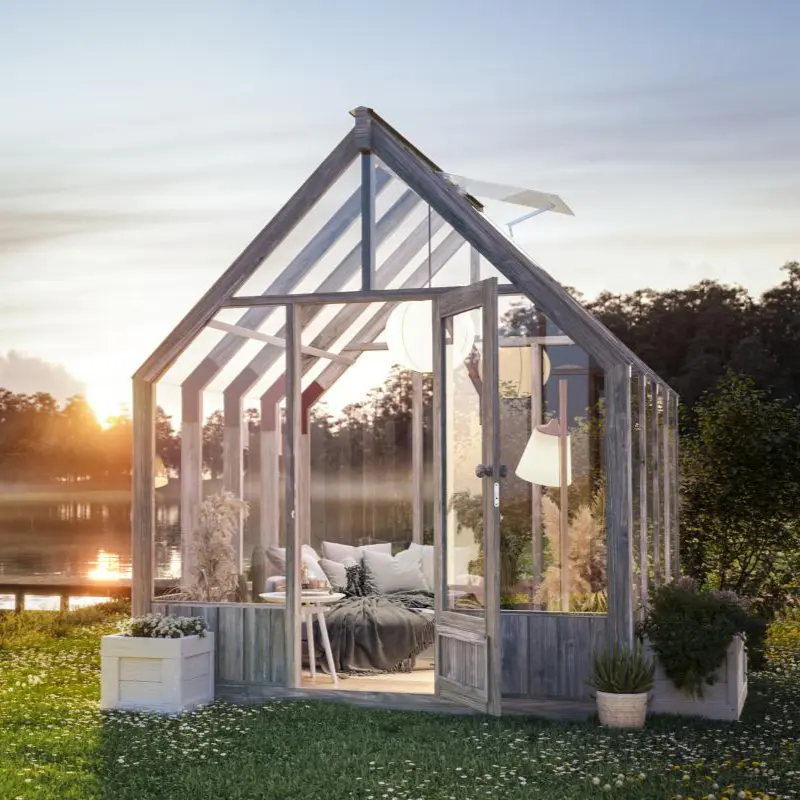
(621, 671)
(782, 644)
(691, 630)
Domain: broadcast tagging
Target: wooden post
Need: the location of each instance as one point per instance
(19, 601)
(304, 481)
(368, 236)
(292, 623)
(143, 512)
(536, 489)
(666, 447)
(270, 474)
(644, 561)
(619, 514)
(474, 265)
(191, 475)
(233, 466)
(676, 487)
(655, 467)
(563, 519)
(417, 459)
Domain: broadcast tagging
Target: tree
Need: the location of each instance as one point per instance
(212, 443)
(168, 443)
(741, 493)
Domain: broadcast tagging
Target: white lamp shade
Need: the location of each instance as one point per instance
(160, 471)
(409, 336)
(540, 462)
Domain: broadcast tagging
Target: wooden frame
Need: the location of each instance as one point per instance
(468, 652)
(385, 155)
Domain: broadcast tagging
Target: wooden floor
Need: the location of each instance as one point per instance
(420, 681)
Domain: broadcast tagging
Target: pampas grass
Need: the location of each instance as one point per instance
(215, 575)
(586, 566)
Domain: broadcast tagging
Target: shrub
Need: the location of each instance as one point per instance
(619, 670)
(690, 631)
(783, 639)
(157, 626)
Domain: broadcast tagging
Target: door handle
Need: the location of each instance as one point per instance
(486, 471)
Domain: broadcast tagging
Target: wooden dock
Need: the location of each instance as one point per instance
(66, 586)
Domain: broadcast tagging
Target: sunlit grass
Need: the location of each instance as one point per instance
(57, 744)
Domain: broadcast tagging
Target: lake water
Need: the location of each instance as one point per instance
(80, 539)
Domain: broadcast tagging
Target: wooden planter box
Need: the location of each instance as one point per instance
(723, 700)
(162, 675)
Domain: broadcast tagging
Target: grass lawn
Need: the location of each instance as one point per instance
(55, 743)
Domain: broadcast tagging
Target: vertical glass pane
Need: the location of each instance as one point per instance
(540, 368)
(462, 450)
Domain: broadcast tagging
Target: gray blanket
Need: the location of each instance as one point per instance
(377, 633)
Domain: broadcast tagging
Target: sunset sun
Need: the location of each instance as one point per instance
(105, 402)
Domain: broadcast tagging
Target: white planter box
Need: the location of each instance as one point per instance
(162, 675)
(722, 700)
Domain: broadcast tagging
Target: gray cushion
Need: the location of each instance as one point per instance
(336, 571)
(334, 551)
(401, 573)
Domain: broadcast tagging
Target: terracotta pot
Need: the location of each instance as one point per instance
(622, 710)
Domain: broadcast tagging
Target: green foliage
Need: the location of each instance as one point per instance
(690, 631)
(57, 745)
(619, 670)
(741, 490)
(782, 644)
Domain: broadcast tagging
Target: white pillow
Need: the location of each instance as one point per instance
(428, 553)
(401, 573)
(309, 557)
(334, 551)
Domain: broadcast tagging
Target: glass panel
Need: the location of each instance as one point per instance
(539, 368)
(462, 449)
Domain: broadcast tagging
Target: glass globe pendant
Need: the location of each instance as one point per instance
(409, 336)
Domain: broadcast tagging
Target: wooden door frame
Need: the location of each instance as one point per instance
(482, 296)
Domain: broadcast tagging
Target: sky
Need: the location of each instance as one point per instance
(142, 146)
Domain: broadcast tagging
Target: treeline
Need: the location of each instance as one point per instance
(691, 337)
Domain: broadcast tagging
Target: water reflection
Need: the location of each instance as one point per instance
(108, 568)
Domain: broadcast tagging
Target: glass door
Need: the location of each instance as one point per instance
(467, 496)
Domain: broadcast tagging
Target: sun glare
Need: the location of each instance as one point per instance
(106, 403)
(107, 567)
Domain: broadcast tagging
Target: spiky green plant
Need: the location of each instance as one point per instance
(619, 670)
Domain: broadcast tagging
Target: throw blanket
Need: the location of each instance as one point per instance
(377, 633)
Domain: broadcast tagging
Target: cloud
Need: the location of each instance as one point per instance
(28, 374)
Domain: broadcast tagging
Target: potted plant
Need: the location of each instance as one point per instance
(698, 638)
(622, 678)
(158, 663)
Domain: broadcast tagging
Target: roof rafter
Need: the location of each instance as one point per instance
(265, 243)
(347, 268)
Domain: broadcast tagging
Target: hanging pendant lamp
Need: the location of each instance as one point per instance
(409, 336)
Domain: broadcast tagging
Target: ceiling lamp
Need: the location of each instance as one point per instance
(409, 336)
(541, 459)
(516, 370)
(160, 471)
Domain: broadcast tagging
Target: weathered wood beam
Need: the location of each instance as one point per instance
(277, 341)
(536, 489)
(505, 341)
(619, 511)
(655, 470)
(267, 241)
(666, 470)
(676, 482)
(291, 446)
(644, 560)
(375, 296)
(367, 222)
(474, 265)
(191, 491)
(417, 459)
(269, 474)
(143, 505)
(563, 513)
